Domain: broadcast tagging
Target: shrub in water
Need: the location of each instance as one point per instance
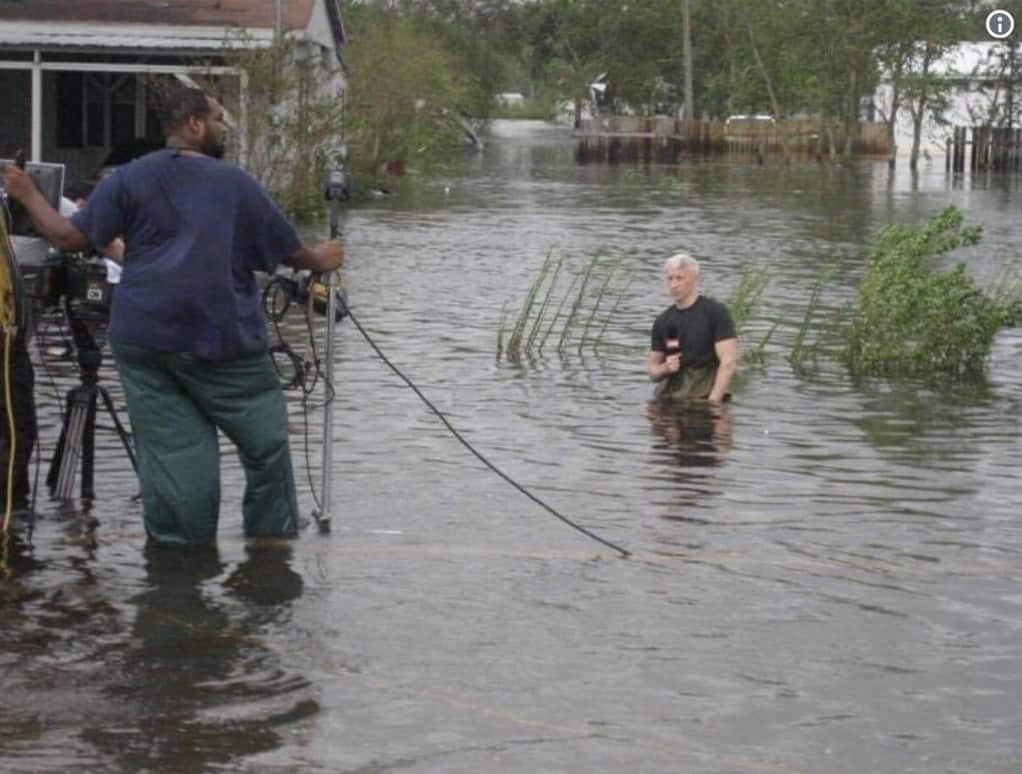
(909, 319)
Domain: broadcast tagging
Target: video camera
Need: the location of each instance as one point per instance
(48, 275)
(79, 278)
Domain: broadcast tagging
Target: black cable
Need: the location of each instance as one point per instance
(288, 288)
(307, 374)
(469, 446)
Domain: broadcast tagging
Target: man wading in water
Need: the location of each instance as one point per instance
(694, 350)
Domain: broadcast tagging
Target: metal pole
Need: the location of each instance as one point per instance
(334, 192)
(36, 148)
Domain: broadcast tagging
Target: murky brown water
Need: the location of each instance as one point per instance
(825, 579)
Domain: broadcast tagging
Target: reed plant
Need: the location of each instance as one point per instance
(514, 342)
(568, 311)
(746, 296)
(800, 352)
(752, 282)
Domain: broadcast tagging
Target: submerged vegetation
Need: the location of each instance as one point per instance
(572, 316)
(575, 315)
(907, 318)
(746, 296)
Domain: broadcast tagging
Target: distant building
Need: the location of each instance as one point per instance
(510, 99)
(74, 75)
(971, 69)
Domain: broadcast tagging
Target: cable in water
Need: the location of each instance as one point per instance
(624, 553)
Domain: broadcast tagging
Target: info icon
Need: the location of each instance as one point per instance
(1000, 24)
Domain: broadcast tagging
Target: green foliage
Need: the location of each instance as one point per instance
(294, 119)
(405, 92)
(909, 319)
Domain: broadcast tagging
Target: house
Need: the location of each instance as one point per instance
(77, 75)
(971, 76)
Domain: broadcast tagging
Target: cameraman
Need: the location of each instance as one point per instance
(187, 330)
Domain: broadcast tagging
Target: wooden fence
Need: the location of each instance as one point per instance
(666, 140)
(993, 148)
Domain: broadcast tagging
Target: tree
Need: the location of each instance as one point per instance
(294, 118)
(894, 52)
(926, 89)
(686, 57)
(404, 92)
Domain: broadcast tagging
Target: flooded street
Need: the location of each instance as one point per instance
(824, 578)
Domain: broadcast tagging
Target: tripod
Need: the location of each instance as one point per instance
(78, 432)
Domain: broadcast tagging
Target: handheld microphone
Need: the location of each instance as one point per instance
(672, 340)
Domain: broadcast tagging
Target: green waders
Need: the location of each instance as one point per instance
(694, 381)
(176, 402)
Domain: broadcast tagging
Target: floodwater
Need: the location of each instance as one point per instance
(824, 578)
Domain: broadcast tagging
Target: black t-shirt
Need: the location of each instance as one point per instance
(697, 329)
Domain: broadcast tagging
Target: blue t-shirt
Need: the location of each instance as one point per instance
(195, 230)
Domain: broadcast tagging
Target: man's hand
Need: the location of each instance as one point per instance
(19, 183)
(48, 223)
(330, 253)
(322, 258)
(672, 364)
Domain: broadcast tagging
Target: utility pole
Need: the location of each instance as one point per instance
(686, 56)
(278, 20)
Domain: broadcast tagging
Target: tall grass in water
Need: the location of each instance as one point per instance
(578, 311)
(588, 304)
(801, 353)
(744, 298)
(514, 342)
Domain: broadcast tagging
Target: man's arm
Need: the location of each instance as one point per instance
(727, 354)
(56, 230)
(325, 257)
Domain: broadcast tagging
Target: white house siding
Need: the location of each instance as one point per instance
(320, 33)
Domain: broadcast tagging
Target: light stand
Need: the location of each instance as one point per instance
(335, 191)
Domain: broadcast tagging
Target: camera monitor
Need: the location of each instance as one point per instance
(49, 179)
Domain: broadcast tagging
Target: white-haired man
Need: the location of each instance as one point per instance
(693, 349)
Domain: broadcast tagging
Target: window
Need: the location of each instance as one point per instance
(95, 109)
(70, 110)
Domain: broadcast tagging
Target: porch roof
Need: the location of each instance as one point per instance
(128, 37)
(179, 26)
(250, 14)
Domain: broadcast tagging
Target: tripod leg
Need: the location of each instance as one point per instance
(76, 418)
(89, 449)
(58, 455)
(121, 431)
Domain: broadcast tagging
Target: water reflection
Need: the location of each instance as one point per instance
(690, 437)
(912, 421)
(202, 680)
(697, 433)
